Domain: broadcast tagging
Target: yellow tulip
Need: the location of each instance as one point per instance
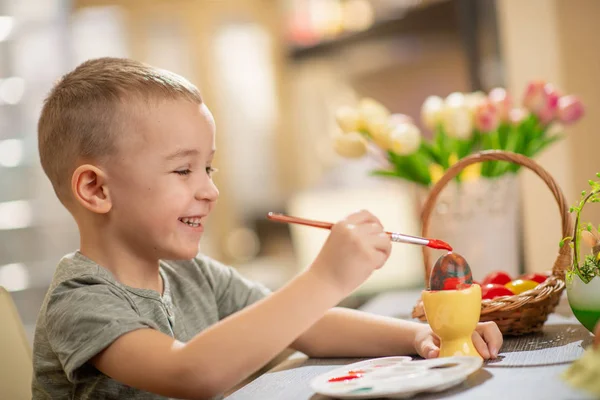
(436, 172)
(348, 119)
(471, 173)
(350, 145)
(453, 159)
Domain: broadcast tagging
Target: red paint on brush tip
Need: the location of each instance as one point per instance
(439, 244)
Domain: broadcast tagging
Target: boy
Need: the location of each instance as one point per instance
(128, 149)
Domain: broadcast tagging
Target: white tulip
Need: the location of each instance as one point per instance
(456, 99)
(474, 100)
(379, 129)
(400, 118)
(405, 139)
(348, 119)
(372, 109)
(350, 145)
(431, 112)
(457, 117)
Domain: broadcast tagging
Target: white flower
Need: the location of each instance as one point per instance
(379, 129)
(350, 145)
(405, 139)
(348, 119)
(474, 100)
(457, 117)
(371, 109)
(431, 112)
(455, 99)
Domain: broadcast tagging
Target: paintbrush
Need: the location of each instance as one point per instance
(394, 237)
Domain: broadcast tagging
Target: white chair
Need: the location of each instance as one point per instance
(392, 203)
(16, 367)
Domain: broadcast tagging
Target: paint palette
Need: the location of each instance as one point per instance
(394, 377)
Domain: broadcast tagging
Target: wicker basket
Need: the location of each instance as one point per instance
(526, 312)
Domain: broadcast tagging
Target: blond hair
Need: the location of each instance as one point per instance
(84, 113)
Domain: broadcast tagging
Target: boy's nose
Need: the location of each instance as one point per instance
(207, 191)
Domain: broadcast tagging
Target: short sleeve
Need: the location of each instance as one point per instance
(84, 316)
(233, 292)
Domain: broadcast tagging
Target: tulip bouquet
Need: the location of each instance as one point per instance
(461, 124)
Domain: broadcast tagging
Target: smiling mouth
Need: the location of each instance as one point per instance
(194, 222)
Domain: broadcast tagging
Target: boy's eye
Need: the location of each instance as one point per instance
(210, 171)
(183, 172)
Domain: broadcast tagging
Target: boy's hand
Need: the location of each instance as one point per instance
(356, 246)
(487, 339)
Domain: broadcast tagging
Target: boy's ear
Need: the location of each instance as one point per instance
(89, 187)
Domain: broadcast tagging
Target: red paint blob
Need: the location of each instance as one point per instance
(344, 378)
(439, 244)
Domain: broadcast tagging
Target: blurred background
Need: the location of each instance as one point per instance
(273, 72)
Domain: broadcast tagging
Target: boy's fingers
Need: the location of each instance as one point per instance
(383, 243)
(370, 228)
(481, 346)
(492, 336)
(363, 216)
(428, 349)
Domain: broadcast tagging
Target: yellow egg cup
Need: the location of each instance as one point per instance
(453, 316)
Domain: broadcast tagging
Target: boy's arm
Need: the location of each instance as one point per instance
(222, 355)
(203, 367)
(350, 333)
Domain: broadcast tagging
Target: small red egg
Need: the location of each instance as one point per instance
(493, 290)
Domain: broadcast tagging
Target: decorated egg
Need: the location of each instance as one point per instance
(450, 272)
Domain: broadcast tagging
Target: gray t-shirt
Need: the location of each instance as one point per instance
(86, 309)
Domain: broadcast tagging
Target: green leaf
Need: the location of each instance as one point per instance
(383, 172)
(537, 145)
(562, 242)
(430, 151)
(408, 166)
(442, 143)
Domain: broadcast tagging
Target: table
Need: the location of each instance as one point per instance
(528, 367)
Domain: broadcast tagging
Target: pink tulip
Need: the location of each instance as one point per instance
(549, 112)
(503, 102)
(542, 99)
(486, 116)
(535, 97)
(570, 109)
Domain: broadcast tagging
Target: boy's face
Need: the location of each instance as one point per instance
(160, 181)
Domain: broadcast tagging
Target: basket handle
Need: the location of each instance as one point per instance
(563, 260)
